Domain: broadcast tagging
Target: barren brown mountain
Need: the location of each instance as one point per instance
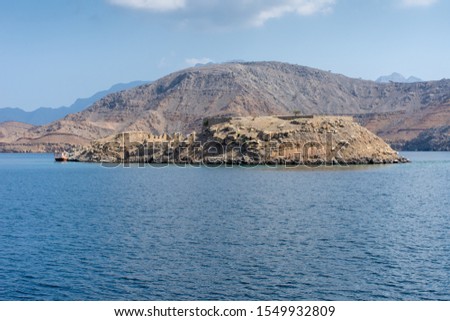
(178, 102)
(12, 131)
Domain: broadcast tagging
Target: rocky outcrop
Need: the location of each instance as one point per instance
(290, 140)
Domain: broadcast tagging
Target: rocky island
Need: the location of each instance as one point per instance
(287, 140)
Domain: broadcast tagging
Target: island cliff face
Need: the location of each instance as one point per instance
(289, 140)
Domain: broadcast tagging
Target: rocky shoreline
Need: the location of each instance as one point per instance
(286, 140)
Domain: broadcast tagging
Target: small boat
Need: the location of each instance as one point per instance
(61, 157)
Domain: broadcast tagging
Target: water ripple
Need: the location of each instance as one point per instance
(83, 232)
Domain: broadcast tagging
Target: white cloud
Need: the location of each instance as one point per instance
(230, 12)
(300, 7)
(152, 5)
(418, 3)
(195, 61)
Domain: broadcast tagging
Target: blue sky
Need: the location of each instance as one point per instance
(54, 51)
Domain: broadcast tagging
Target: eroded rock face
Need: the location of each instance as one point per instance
(287, 140)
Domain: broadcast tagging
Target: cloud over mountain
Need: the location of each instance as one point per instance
(300, 7)
(250, 12)
(153, 5)
(196, 61)
(418, 3)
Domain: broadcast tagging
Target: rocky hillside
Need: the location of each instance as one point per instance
(12, 131)
(434, 139)
(179, 102)
(17, 137)
(310, 141)
(400, 128)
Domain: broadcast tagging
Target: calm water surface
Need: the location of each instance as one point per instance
(76, 231)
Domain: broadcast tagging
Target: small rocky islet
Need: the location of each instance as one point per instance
(288, 140)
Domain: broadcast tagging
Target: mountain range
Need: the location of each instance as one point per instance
(396, 77)
(178, 102)
(45, 115)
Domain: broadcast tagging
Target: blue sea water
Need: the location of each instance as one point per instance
(75, 231)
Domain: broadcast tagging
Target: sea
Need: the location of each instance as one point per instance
(83, 231)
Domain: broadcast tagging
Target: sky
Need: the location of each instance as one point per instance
(55, 51)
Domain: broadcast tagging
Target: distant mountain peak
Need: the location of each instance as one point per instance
(397, 77)
(412, 79)
(45, 115)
